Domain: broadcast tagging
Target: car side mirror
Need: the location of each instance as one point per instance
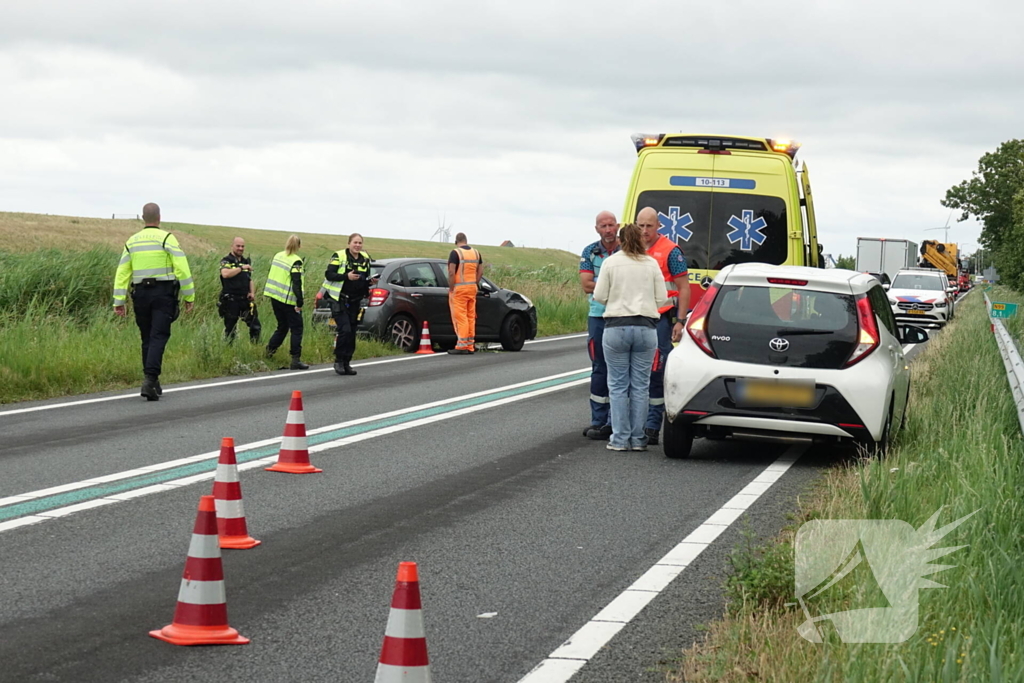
(909, 334)
(885, 286)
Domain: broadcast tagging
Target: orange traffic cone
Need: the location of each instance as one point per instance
(201, 617)
(227, 494)
(425, 345)
(294, 455)
(404, 655)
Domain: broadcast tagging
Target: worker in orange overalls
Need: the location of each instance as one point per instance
(465, 268)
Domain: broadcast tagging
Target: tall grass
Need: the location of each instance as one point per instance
(962, 451)
(555, 291)
(59, 336)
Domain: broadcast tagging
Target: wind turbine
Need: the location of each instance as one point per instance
(945, 235)
(443, 232)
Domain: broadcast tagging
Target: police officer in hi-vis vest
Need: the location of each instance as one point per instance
(346, 283)
(154, 267)
(465, 268)
(670, 325)
(284, 289)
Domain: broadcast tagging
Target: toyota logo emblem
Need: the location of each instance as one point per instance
(778, 344)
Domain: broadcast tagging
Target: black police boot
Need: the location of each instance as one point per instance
(298, 364)
(159, 389)
(149, 389)
(347, 363)
(339, 367)
(652, 435)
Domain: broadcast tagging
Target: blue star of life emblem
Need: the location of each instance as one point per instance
(746, 230)
(673, 226)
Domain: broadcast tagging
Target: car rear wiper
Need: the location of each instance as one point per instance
(802, 330)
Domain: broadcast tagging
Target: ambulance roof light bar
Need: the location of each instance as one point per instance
(641, 140)
(784, 145)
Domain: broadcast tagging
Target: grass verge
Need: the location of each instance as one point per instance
(961, 451)
(59, 336)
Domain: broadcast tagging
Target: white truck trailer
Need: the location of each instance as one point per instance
(884, 255)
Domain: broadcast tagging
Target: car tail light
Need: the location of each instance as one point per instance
(378, 296)
(867, 331)
(786, 281)
(696, 327)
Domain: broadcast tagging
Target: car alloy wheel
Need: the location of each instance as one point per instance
(402, 333)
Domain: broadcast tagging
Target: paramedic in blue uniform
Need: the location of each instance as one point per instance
(600, 427)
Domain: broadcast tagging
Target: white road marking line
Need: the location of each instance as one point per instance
(211, 385)
(572, 655)
(128, 474)
(205, 476)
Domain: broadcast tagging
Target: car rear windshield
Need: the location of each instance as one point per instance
(783, 326)
(717, 229)
(919, 281)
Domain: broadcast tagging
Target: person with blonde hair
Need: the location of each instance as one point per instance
(346, 283)
(632, 289)
(284, 289)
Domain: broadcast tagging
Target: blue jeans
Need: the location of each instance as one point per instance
(598, 372)
(629, 352)
(657, 409)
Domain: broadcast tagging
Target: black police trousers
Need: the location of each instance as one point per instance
(235, 307)
(154, 307)
(346, 319)
(288, 320)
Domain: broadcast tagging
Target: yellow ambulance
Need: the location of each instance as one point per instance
(726, 200)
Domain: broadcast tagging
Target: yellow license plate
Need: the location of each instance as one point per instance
(779, 394)
(915, 312)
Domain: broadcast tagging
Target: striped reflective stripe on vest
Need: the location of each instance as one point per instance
(279, 281)
(474, 263)
(333, 289)
(150, 257)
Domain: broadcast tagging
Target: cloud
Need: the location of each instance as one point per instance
(511, 116)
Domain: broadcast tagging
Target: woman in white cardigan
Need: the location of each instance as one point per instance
(632, 288)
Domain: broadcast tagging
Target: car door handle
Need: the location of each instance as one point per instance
(415, 295)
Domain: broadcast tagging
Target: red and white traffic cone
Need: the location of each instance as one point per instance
(227, 494)
(201, 617)
(293, 457)
(404, 655)
(425, 345)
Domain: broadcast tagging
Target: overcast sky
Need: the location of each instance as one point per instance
(510, 119)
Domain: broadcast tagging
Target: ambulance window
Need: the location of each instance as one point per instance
(747, 228)
(684, 216)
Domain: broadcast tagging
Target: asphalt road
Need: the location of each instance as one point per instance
(507, 510)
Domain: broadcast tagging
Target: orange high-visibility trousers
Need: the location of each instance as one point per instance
(462, 301)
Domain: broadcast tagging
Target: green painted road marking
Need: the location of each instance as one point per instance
(60, 500)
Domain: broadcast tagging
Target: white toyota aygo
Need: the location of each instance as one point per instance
(791, 354)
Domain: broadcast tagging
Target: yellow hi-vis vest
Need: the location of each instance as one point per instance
(279, 281)
(152, 253)
(468, 272)
(340, 259)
